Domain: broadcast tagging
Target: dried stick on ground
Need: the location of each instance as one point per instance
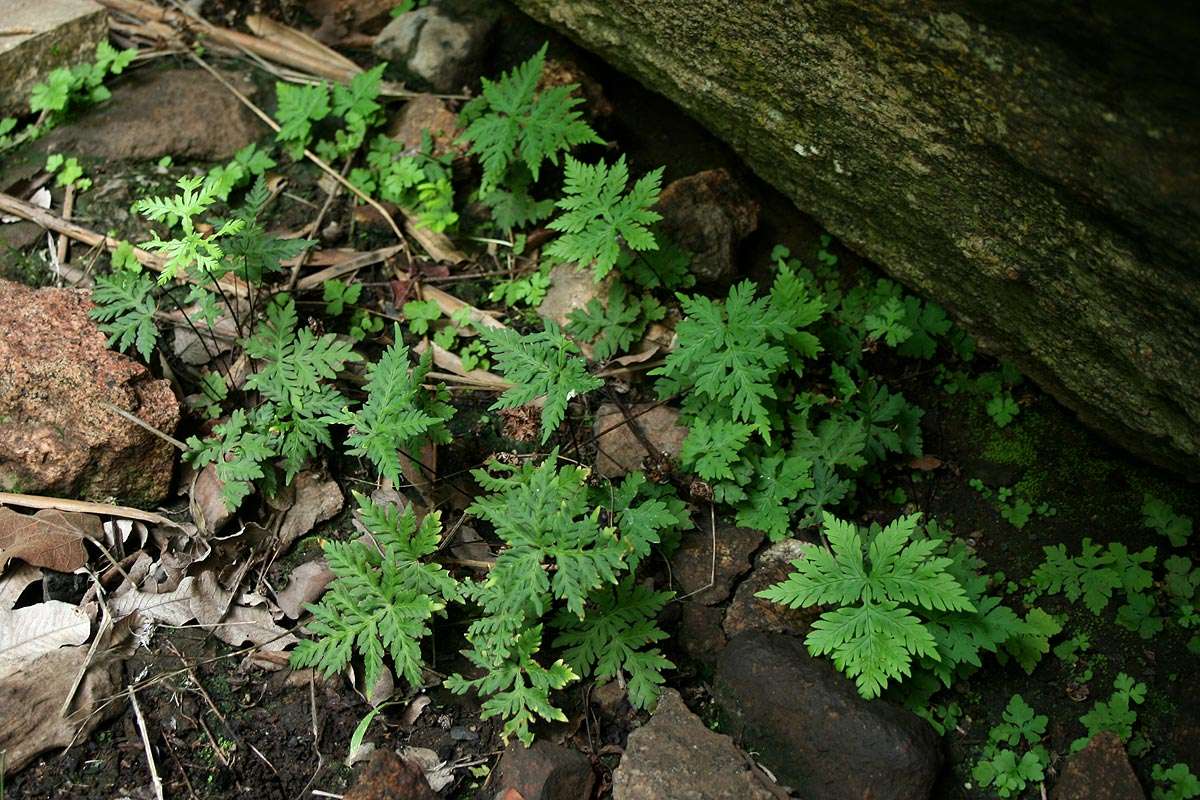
(17, 207)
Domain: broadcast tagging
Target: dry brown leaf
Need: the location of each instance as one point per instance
(50, 538)
(315, 499)
(239, 624)
(305, 585)
(27, 633)
(925, 463)
(208, 508)
(170, 608)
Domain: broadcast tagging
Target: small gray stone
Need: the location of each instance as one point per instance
(440, 46)
(675, 757)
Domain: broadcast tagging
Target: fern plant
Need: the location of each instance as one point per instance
(613, 327)
(384, 595)
(876, 584)
(599, 217)
(125, 307)
(512, 122)
(542, 364)
(561, 549)
(399, 415)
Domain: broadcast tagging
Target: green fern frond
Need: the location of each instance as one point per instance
(125, 306)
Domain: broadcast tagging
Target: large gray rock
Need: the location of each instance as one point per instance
(441, 45)
(61, 33)
(675, 757)
(1032, 166)
(808, 724)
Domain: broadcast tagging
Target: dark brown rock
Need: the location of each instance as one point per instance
(621, 450)
(981, 153)
(183, 113)
(750, 613)
(700, 633)
(387, 776)
(56, 437)
(708, 214)
(706, 566)
(545, 771)
(807, 723)
(675, 757)
(1100, 771)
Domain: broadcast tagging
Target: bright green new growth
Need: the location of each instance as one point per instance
(873, 635)
(557, 550)
(66, 87)
(399, 414)
(193, 254)
(298, 106)
(383, 598)
(542, 364)
(599, 216)
(516, 123)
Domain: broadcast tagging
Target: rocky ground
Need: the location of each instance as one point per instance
(748, 713)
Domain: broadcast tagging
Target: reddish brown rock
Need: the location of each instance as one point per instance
(1100, 771)
(622, 450)
(708, 214)
(56, 437)
(426, 113)
(387, 776)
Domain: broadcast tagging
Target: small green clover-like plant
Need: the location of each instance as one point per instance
(1095, 573)
(68, 172)
(541, 364)
(612, 328)
(421, 314)
(68, 88)
(337, 295)
(1002, 766)
(599, 216)
(512, 122)
(1160, 517)
(1175, 783)
(873, 633)
(125, 307)
(248, 163)
(239, 451)
(400, 415)
(416, 181)
(1116, 714)
(1003, 409)
(384, 595)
